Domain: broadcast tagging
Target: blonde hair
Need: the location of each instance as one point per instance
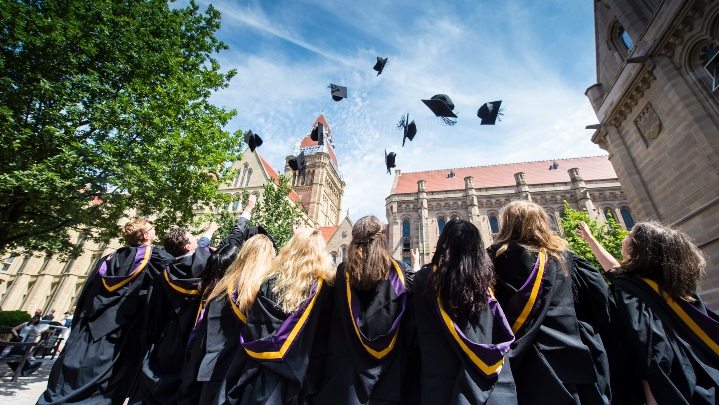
(368, 259)
(299, 264)
(246, 274)
(527, 223)
(134, 231)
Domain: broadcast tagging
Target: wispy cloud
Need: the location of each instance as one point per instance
(286, 53)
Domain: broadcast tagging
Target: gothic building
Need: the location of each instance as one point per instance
(421, 203)
(657, 101)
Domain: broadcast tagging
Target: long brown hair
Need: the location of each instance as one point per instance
(527, 223)
(667, 256)
(300, 263)
(368, 259)
(246, 273)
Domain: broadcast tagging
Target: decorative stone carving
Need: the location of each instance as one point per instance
(648, 123)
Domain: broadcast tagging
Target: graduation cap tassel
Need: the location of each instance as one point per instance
(449, 121)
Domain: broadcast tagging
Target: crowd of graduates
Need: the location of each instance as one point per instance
(524, 320)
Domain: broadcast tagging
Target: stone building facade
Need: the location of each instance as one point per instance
(421, 203)
(657, 101)
(41, 282)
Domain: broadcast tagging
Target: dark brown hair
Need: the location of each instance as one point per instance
(666, 256)
(175, 240)
(368, 259)
(527, 223)
(464, 274)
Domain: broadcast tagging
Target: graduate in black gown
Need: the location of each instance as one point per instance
(462, 335)
(668, 340)
(285, 338)
(171, 316)
(103, 353)
(367, 355)
(227, 305)
(174, 309)
(557, 306)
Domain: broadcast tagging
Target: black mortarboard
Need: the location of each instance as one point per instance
(338, 92)
(409, 127)
(252, 140)
(379, 66)
(442, 106)
(488, 112)
(298, 162)
(389, 159)
(318, 134)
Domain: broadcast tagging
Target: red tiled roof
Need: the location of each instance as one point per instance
(502, 175)
(328, 232)
(274, 176)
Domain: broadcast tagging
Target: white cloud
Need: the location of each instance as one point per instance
(279, 96)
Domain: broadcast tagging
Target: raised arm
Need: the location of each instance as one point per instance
(237, 234)
(605, 258)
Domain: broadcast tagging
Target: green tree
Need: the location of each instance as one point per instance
(276, 212)
(609, 235)
(104, 109)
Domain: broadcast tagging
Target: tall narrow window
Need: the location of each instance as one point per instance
(625, 38)
(441, 223)
(247, 179)
(609, 214)
(406, 241)
(493, 223)
(236, 203)
(627, 217)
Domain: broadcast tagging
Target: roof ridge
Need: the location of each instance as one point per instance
(402, 173)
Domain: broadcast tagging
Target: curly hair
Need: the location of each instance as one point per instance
(175, 240)
(667, 256)
(368, 259)
(463, 273)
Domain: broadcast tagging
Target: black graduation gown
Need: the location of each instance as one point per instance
(284, 353)
(202, 378)
(104, 350)
(447, 373)
(171, 316)
(366, 364)
(550, 360)
(679, 362)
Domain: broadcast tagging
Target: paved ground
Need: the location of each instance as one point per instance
(27, 389)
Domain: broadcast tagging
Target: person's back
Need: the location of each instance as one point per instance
(286, 333)
(667, 338)
(555, 358)
(462, 337)
(366, 362)
(105, 347)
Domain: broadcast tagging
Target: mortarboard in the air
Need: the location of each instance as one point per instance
(252, 140)
(379, 66)
(338, 92)
(442, 106)
(389, 160)
(318, 134)
(298, 162)
(409, 128)
(489, 112)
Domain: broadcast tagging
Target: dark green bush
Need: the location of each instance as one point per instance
(13, 318)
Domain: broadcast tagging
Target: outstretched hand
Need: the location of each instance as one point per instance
(414, 254)
(584, 232)
(251, 201)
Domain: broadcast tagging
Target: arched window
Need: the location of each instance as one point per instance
(244, 173)
(247, 179)
(609, 214)
(624, 38)
(406, 239)
(343, 253)
(627, 217)
(493, 223)
(236, 203)
(441, 223)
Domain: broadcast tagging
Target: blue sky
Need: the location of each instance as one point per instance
(536, 56)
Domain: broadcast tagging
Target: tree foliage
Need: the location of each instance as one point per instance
(107, 101)
(609, 235)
